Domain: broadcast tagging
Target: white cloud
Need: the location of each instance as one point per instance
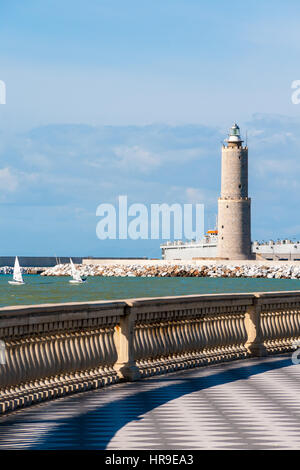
(144, 160)
(266, 167)
(255, 132)
(200, 196)
(137, 157)
(38, 160)
(8, 180)
(194, 195)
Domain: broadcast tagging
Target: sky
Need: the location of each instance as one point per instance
(114, 97)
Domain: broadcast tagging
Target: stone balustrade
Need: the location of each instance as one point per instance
(53, 350)
(58, 349)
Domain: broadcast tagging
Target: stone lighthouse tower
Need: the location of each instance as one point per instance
(234, 220)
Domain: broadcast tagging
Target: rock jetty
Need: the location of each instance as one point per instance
(179, 270)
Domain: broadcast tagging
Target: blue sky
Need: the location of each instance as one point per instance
(110, 97)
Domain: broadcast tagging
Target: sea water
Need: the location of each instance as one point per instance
(40, 290)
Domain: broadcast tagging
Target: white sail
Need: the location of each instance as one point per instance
(17, 276)
(75, 274)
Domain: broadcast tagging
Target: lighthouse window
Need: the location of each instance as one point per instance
(226, 207)
(222, 226)
(240, 186)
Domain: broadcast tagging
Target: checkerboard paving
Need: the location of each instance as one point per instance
(249, 404)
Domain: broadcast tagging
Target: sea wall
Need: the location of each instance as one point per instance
(166, 269)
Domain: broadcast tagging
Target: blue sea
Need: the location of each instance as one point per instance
(41, 290)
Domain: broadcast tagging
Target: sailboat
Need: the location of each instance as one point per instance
(77, 279)
(17, 276)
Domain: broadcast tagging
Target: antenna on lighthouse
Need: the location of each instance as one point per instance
(246, 138)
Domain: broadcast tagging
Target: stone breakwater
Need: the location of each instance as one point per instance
(179, 270)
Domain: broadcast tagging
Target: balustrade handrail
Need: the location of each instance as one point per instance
(51, 350)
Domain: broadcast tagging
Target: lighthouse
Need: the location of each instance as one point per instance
(234, 205)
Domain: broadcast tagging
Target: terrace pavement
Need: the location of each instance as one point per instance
(248, 404)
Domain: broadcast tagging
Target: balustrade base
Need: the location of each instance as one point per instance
(54, 387)
(128, 372)
(277, 347)
(171, 364)
(256, 350)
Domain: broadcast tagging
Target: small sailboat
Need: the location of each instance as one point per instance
(77, 279)
(17, 276)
